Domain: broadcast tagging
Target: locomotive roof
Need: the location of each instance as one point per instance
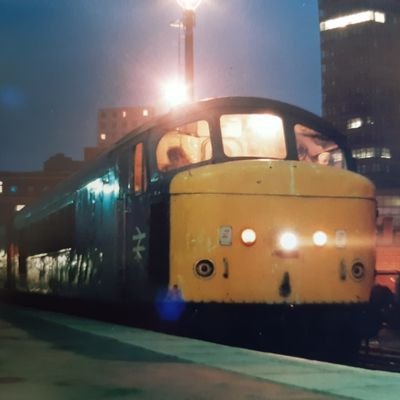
(62, 194)
(232, 102)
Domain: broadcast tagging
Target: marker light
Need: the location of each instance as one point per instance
(248, 236)
(288, 241)
(320, 238)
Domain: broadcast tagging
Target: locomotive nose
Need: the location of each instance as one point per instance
(290, 231)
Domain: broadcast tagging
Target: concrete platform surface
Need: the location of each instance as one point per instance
(53, 356)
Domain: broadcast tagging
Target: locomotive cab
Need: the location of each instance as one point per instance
(269, 216)
(284, 174)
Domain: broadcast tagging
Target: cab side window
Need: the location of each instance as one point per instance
(185, 145)
(315, 147)
(139, 170)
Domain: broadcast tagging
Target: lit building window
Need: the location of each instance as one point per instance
(370, 121)
(379, 17)
(368, 152)
(124, 114)
(19, 207)
(386, 153)
(13, 189)
(371, 152)
(1, 186)
(145, 113)
(354, 123)
(103, 136)
(388, 201)
(351, 19)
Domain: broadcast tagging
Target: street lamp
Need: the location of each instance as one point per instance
(189, 21)
(175, 93)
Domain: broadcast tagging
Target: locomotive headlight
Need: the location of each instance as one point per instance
(248, 236)
(320, 238)
(288, 241)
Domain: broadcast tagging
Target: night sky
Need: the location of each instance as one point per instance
(61, 60)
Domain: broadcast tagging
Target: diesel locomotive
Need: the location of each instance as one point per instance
(237, 214)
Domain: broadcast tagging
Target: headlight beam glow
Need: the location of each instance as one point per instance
(288, 241)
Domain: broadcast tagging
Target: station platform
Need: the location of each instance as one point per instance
(47, 356)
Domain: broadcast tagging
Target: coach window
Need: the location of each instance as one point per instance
(314, 147)
(253, 135)
(139, 172)
(185, 145)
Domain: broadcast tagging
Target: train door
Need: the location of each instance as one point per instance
(134, 222)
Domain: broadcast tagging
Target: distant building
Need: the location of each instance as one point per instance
(18, 189)
(115, 123)
(59, 163)
(360, 50)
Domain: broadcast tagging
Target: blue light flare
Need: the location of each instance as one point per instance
(170, 306)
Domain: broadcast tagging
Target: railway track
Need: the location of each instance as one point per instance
(377, 357)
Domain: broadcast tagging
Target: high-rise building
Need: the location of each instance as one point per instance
(360, 50)
(115, 123)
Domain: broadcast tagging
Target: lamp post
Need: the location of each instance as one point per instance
(189, 21)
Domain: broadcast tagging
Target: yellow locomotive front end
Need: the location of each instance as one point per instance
(269, 228)
(277, 254)
(271, 232)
